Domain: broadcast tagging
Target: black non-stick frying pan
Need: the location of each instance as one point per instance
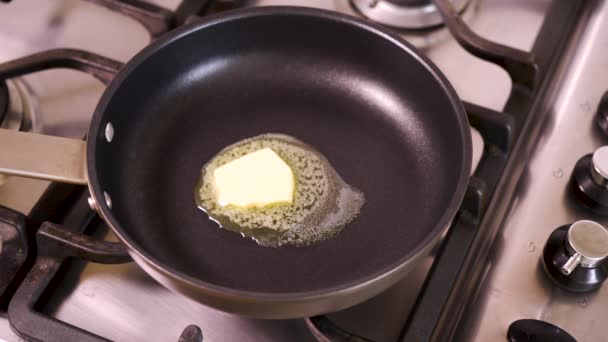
(383, 115)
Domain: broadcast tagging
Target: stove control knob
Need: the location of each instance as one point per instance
(589, 181)
(532, 330)
(599, 166)
(601, 117)
(587, 245)
(574, 254)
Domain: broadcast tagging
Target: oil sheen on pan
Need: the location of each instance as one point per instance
(321, 206)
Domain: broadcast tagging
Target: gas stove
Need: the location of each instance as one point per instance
(532, 86)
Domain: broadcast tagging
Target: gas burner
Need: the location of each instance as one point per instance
(16, 106)
(406, 14)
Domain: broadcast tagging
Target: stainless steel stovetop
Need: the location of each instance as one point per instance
(120, 302)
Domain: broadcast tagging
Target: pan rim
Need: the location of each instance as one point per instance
(219, 291)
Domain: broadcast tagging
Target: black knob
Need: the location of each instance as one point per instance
(192, 333)
(532, 330)
(574, 255)
(601, 117)
(589, 181)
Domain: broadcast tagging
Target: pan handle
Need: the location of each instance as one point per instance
(45, 157)
(55, 240)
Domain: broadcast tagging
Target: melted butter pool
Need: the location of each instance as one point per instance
(323, 203)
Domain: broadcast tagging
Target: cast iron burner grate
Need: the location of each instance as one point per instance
(68, 205)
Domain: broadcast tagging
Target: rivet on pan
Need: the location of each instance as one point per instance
(108, 199)
(109, 132)
(92, 203)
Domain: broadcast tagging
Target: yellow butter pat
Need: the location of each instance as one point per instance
(257, 179)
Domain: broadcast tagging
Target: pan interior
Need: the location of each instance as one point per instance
(377, 113)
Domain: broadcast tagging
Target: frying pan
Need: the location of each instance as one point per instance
(383, 115)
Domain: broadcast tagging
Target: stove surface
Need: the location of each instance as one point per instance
(516, 286)
(121, 302)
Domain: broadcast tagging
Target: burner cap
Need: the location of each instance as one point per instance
(406, 14)
(3, 100)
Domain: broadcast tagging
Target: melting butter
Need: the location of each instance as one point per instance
(258, 179)
(322, 205)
